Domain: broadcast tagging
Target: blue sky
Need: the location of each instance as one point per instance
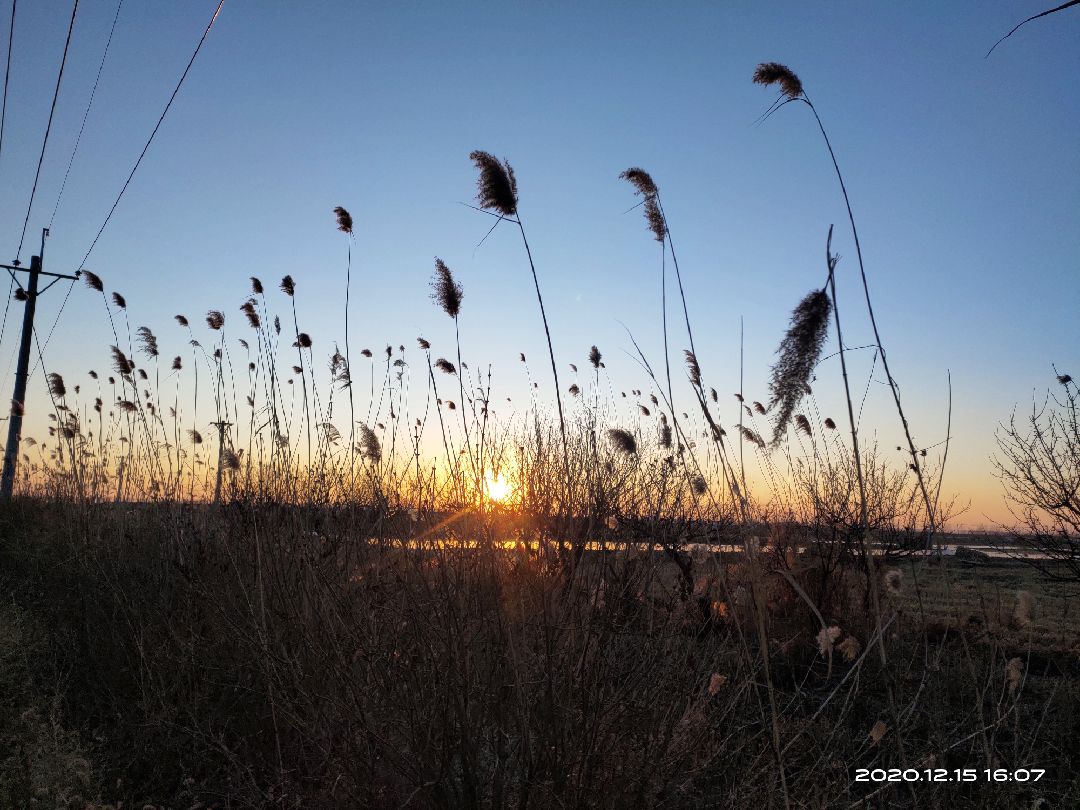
(962, 172)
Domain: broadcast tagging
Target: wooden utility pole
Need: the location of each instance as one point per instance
(18, 397)
(220, 456)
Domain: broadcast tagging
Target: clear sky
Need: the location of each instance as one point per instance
(963, 173)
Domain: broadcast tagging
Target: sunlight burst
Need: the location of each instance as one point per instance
(497, 487)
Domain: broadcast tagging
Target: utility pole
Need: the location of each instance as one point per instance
(18, 398)
(220, 456)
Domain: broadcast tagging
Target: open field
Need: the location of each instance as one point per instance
(255, 657)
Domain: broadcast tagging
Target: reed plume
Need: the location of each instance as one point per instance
(803, 424)
(344, 220)
(799, 353)
(644, 185)
(215, 319)
(119, 300)
(180, 319)
(769, 73)
(252, 315)
(288, 286)
(93, 281)
(496, 186)
(256, 286)
(123, 366)
(445, 291)
(594, 357)
(147, 342)
(445, 366)
(369, 445)
(623, 440)
(56, 385)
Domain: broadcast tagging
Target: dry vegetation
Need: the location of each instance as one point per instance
(295, 608)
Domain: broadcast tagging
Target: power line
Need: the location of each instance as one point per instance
(7, 72)
(3, 116)
(48, 128)
(152, 134)
(89, 104)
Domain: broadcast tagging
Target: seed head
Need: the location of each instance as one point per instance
(344, 220)
(288, 286)
(369, 444)
(256, 286)
(119, 300)
(594, 357)
(644, 185)
(623, 440)
(496, 186)
(445, 366)
(445, 291)
(56, 386)
(215, 319)
(894, 581)
(799, 352)
(93, 281)
(147, 342)
(769, 73)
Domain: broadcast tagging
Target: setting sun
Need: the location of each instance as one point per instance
(497, 487)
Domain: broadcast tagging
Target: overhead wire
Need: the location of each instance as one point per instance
(86, 114)
(48, 128)
(135, 168)
(149, 140)
(3, 118)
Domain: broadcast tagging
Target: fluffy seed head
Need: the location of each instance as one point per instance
(180, 319)
(256, 286)
(894, 580)
(769, 73)
(830, 424)
(799, 353)
(496, 186)
(288, 286)
(445, 291)
(826, 637)
(445, 366)
(215, 319)
(623, 440)
(369, 445)
(147, 342)
(93, 281)
(56, 386)
(252, 315)
(803, 424)
(644, 185)
(692, 368)
(119, 300)
(594, 357)
(344, 220)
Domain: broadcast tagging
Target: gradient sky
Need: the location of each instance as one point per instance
(963, 173)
